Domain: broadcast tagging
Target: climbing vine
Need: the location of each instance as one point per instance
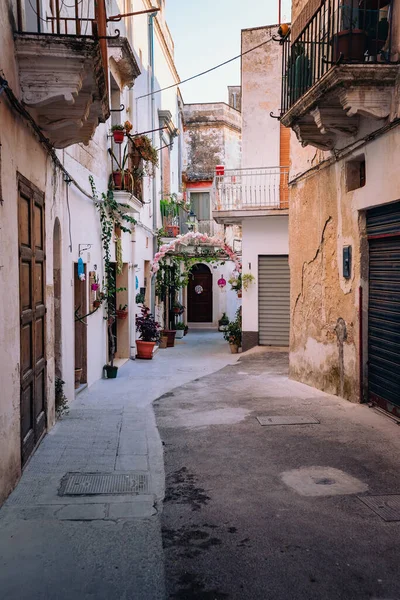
(111, 216)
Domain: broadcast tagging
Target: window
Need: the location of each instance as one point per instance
(200, 204)
(355, 174)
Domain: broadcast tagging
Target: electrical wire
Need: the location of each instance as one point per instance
(226, 62)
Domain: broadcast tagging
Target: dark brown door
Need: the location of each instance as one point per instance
(33, 316)
(200, 295)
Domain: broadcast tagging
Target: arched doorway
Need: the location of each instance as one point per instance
(200, 295)
(57, 296)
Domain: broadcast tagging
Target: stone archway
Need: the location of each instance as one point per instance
(57, 298)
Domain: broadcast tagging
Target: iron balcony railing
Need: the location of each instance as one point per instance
(340, 32)
(252, 189)
(76, 17)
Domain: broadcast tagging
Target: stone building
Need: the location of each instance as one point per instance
(62, 86)
(255, 196)
(212, 136)
(341, 98)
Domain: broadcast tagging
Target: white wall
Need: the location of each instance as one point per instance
(261, 236)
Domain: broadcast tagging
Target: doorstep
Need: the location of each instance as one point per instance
(119, 362)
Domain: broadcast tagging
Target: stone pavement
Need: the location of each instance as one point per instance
(277, 512)
(100, 546)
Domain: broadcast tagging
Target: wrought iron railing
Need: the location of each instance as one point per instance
(252, 189)
(341, 31)
(77, 17)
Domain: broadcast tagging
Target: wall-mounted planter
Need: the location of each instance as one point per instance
(118, 136)
(122, 314)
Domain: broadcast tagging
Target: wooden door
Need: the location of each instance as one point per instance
(33, 316)
(200, 295)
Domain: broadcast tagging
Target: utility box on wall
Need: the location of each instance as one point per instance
(347, 262)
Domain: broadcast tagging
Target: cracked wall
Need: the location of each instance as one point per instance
(323, 303)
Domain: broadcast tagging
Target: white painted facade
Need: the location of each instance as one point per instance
(261, 139)
(76, 216)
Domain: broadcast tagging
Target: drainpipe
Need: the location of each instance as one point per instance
(153, 138)
(132, 301)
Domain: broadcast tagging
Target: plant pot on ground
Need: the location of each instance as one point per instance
(223, 322)
(149, 333)
(234, 348)
(180, 330)
(170, 333)
(110, 371)
(233, 332)
(163, 341)
(78, 376)
(186, 330)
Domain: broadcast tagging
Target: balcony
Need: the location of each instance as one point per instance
(338, 71)
(63, 69)
(209, 227)
(244, 193)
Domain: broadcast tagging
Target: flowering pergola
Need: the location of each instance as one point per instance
(195, 239)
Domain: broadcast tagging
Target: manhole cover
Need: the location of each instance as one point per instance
(87, 484)
(387, 507)
(322, 481)
(287, 420)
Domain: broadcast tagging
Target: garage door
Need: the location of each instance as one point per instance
(273, 300)
(383, 226)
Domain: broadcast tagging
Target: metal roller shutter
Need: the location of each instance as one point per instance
(383, 227)
(273, 300)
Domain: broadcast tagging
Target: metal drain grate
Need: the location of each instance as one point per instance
(287, 420)
(387, 507)
(88, 484)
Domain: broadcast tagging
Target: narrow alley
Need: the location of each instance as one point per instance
(223, 507)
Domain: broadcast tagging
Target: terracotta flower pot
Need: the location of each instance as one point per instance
(122, 314)
(234, 348)
(239, 293)
(144, 349)
(96, 304)
(171, 337)
(163, 341)
(172, 230)
(78, 375)
(118, 136)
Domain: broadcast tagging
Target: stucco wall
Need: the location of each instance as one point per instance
(261, 95)
(261, 236)
(320, 296)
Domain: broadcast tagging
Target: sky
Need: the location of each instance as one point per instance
(206, 33)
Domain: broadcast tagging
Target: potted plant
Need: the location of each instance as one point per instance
(233, 333)
(223, 322)
(247, 280)
(180, 330)
(118, 132)
(95, 284)
(177, 308)
(139, 298)
(143, 150)
(149, 331)
(122, 312)
(78, 376)
(121, 178)
(186, 330)
(236, 284)
(163, 340)
(96, 303)
(350, 42)
(170, 334)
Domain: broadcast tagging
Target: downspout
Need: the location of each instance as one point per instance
(153, 139)
(132, 300)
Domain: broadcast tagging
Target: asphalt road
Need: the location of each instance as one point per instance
(275, 513)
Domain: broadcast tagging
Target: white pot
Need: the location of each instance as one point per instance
(179, 334)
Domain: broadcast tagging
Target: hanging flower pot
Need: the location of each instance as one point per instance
(96, 304)
(122, 314)
(118, 135)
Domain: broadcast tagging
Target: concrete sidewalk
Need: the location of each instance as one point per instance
(96, 546)
(277, 512)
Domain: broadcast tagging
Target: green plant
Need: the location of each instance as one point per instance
(224, 320)
(177, 304)
(123, 307)
(233, 332)
(247, 280)
(181, 326)
(122, 169)
(147, 327)
(117, 128)
(61, 402)
(139, 298)
(145, 149)
(111, 216)
(236, 282)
